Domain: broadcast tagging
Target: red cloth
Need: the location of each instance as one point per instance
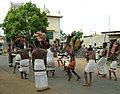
(72, 64)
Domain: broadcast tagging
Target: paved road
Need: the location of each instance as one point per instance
(60, 84)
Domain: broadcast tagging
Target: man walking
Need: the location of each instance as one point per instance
(39, 66)
(101, 64)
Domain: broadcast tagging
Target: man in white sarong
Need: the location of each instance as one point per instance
(17, 61)
(24, 63)
(113, 68)
(39, 66)
(50, 61)
(89, 69)
(101, 64)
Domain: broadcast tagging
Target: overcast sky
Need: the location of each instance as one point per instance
(88, 15)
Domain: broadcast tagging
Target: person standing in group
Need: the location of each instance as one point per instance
(11, 56)
(114, 52)
(71, 67)
(89, 69)
(50, 61)
(17, 60)
(39, 65)
(113, 67)
(24, 62)
(101, 64)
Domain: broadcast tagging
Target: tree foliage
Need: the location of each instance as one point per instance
(25, 19)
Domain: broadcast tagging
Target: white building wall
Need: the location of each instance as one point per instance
(98, 39)
(54, 24)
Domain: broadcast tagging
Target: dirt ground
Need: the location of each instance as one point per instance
(11, 84)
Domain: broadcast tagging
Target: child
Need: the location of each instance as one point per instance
(113, 67)
(89, 69)
(71, 67)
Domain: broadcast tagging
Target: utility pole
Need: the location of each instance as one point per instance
(108, 27)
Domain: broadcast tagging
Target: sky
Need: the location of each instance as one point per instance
(88, 16)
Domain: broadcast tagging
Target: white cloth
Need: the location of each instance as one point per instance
(67, 61)
(50, 60)
(24, 66)
(101, 50)
(97, 54)
(41, 80)
(101, 65)
(113, 65)
(90, 66)
(17, 57)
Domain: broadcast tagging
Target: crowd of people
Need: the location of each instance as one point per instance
(42, 54)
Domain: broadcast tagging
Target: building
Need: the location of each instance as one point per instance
(2, 39)
(53, 30)
(113, 35)
(99, 39)
(96, 38)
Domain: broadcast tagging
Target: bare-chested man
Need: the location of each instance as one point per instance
(39, 66)
(24, 62)
(89, 69)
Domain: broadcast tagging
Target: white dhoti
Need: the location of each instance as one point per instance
(101, 65)
(41, 80)
(50, 60)
(113, 66)
(24, 66)
(50, 63)
(90, 66)
(67, 63)
(17, 59)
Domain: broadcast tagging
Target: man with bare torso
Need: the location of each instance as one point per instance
(39, 66)
(89, 69)
(24, 62)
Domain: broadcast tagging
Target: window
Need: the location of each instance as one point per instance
(49, 34)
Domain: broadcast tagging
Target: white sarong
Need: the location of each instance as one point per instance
(101, 65)
(113, 66)
(67, 61)
(24, 66)
(50, 60)
(17, 59)
(41, 80)
(90, 66)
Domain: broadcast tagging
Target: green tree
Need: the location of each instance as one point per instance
(25, 19)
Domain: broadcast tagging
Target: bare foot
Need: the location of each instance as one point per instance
(90, 84)
(69, 78)
(78, 78)
(86, 85)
